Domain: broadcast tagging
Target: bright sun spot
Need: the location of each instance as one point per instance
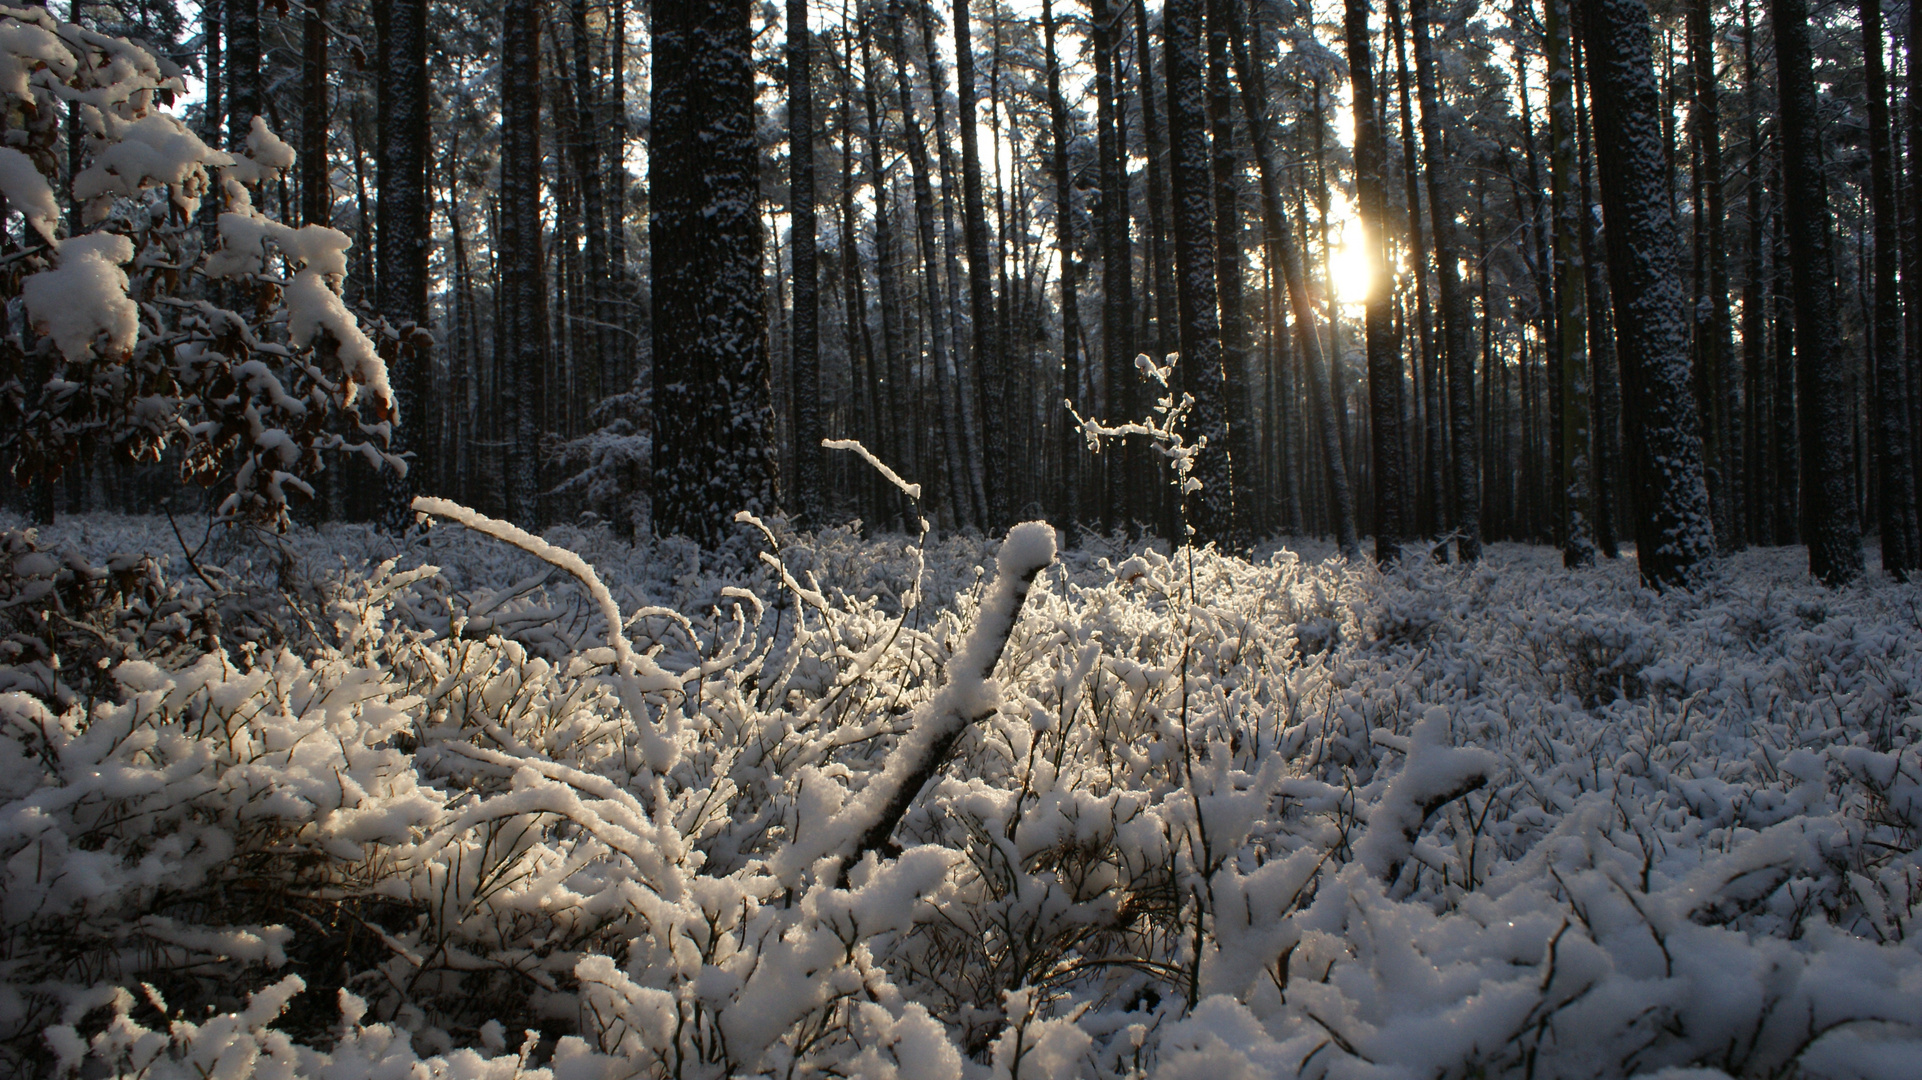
(1348, 265)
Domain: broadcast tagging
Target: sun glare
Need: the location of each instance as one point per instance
(1348, 265)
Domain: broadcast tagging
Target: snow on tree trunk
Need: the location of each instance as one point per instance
(1211, 509)
(712, 407)
(1830, 523)
(1674, 539)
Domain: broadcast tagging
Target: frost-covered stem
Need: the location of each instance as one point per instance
(637, 674)
(970, 697)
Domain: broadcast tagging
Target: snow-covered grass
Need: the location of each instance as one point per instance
(310, 807)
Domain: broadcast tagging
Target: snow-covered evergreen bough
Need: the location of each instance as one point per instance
(504, 805)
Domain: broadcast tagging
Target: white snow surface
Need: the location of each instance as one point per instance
(82, 301)
(1312, 820)
(27, 190)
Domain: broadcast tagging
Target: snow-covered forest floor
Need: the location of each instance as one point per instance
(297, 810)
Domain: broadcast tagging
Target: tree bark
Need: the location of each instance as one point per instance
(712, 409)
(804, 338)
(1894, 467)
(1571, 315)
(1067, 504)
(316, 192)
(523, 314)
(1385, 386)
(989, 364)
(1457, 317)
(1211, 508)
(1830, 522)
(401, 221)
(1674, 538)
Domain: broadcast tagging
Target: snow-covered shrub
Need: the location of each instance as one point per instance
(1176, 842)
(126, 340)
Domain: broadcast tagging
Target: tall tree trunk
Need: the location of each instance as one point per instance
(316, 191)
(1788, 443)
(899, 399)
(1155, 134)
(953, 456)
(401, 271)
(242, 68)
(1716, 347)
(804, 340)
(1237, 332)
(522, 322)
(1385, 389)
(1211, 509)
(1894, 467)
(591, 167)
(1284, 254)
(1606, 419)
(1674, 539)
(1456, 313)
(1117, 262)
(961, 373)
(1067, 505)
(860, 340)
(1434, 479)
(989, 364)
(1571, 316)
(1830, 521)
(713, 454)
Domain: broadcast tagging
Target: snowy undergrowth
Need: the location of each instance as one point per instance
(315, 813)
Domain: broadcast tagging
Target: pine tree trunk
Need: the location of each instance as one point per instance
(1722, 446)
(1894, 467)
(522, 323)
(1571, 283)
(316, 194)
(1788, 444)
(1434, 480)
(713, 456)
(242, 68)
(1067, 503)
(401, 270)
(989, 363)
(804, 339)
(1117, 265)
(1607, 414)
(1237, 333)
(1385, 387)
(1211, 509)
(1830, 521)
(1674, 538)
(963, 377)
(1457, 319)
(590, 167)
(898, 399)
(953, 456)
